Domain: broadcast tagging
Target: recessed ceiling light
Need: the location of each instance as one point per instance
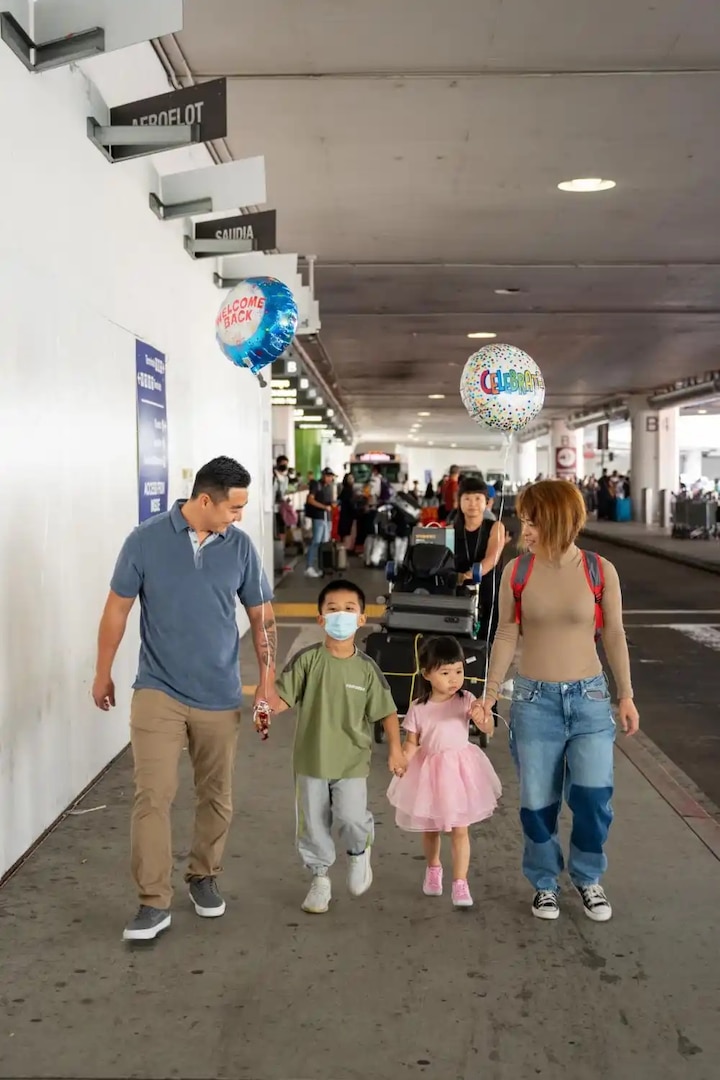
(423, 414)
(701, 412)
(431, 444)
(436, 397)
(453, 445)
(588, 183)
(505, 292)
(483, 334)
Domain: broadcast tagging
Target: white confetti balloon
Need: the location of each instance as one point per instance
(502, 387)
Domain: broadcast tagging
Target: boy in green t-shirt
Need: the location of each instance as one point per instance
(339, 693)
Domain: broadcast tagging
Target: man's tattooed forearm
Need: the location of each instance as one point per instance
(268, 643)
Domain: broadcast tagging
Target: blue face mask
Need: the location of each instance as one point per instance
(341, 625)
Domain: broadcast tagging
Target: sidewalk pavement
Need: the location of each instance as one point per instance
(654, 540)
(392, 985)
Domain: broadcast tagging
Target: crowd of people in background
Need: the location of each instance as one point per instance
(607, 497)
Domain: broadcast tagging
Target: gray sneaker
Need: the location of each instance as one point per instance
(147, 924)
(206, 897)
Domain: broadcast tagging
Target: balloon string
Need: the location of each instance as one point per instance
(261, 578)
(508, 447)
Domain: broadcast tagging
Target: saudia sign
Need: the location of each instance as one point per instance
(260, 229)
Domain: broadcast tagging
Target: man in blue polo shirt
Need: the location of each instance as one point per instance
(188, 567)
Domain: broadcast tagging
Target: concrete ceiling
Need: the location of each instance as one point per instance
(415, 149)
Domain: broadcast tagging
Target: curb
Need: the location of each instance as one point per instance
(659, 553)
(679, 797)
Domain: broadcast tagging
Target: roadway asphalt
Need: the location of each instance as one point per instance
(672, 617)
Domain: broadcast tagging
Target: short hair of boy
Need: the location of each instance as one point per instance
(340, 585)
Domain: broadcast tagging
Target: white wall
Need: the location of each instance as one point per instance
(438, 460)
(85, 266)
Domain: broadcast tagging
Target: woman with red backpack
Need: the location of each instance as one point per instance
(555, 602)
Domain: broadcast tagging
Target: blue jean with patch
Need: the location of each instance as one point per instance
(561, 738)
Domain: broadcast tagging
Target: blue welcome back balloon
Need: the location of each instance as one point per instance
(256, 322)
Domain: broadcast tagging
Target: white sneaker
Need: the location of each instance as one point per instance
(360, 875)
(312, 572)
(318, 898)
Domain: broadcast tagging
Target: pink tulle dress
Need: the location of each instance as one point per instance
(449, 782)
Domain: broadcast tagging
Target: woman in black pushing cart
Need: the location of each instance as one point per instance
(479, 543)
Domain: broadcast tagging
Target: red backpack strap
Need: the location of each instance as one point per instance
(522, 569)
(592, 565)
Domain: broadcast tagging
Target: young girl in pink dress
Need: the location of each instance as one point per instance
(449, 783)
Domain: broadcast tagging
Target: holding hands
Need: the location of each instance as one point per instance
(482, 717)
(397, 763)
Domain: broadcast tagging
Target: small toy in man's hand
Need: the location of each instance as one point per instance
(261, 719)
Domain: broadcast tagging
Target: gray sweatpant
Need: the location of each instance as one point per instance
(324, 803)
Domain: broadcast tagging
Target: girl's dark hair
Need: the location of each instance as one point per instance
(433, 653)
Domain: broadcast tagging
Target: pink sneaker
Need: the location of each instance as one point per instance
(461, 894)
(432, 885)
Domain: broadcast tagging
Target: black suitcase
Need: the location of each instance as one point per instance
(396, 656)
(430, 614)
(333, 558)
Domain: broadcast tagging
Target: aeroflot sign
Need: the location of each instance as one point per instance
(205, 105)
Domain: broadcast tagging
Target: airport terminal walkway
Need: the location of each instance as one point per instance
(393, 984)
(656, 540)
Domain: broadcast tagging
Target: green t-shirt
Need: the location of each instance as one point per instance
(338, 701)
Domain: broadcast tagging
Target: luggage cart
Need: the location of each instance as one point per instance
(695, 519)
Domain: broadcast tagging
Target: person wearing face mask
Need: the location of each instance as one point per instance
(339, 693)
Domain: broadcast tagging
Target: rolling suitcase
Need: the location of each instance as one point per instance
(623, 510)
(333, 557)
(430, 614)
(396, 656)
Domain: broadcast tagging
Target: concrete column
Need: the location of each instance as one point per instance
(283, 431)
(691, 465)
(565, 451)
(668, 452)
(644, 457)
(524, 462)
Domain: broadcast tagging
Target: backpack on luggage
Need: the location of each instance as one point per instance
(427, 568)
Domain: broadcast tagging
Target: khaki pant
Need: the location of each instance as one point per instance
(160, 727)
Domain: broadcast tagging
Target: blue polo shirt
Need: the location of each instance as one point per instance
(189, 639)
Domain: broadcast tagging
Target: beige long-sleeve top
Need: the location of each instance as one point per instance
(557, 643)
